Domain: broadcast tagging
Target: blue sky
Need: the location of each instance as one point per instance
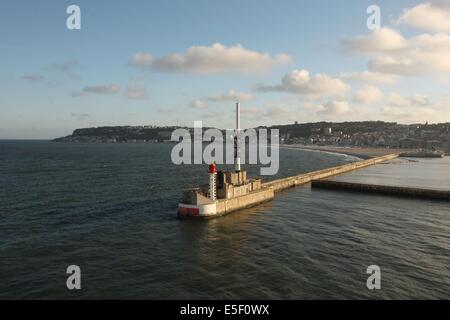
(53, 80)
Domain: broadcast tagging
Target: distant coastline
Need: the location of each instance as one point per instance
(365, 139)
(120, 134)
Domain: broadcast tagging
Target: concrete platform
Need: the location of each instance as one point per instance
(380, 189)
(286, 183)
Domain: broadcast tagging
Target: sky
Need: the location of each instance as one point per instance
(176, 62)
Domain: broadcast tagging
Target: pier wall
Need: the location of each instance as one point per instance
(225, 206)
(286, 183)
(268, 189)
(380, 189)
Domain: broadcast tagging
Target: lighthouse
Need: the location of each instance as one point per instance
(212, 192)
(227, 191)
(213, 181)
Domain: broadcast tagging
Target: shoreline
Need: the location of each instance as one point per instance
(362, 153)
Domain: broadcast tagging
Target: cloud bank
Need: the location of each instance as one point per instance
(211, 60)
(300, 82)
(390, 53)
(102, 89)
(431, 16)
(232, 96)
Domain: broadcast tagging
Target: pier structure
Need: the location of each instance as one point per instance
(235, 191)
(290, 182)
(232, 191)
(227, 191)
(382, 189)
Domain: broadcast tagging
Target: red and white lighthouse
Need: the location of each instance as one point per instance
(213, 181)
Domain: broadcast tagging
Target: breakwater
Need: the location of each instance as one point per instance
(380, 189)
(225, 206)
(290, 182)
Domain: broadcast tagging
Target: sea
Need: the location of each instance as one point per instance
(111, 210)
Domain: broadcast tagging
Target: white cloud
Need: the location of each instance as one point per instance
(275, 111)
(33, 77)
(300, 82)
(427, 54)
(79, 94)
(420, 100)
(67, 69)
(430, 16)
(420, 55)
(369, 77)
(232, 96)
(267, 113)
(401, 66)
(406, 116)
(199, 104)
(250, 111)
(368, 95)
(336, 108)
(382, 40)
(279, 113)
(395, 100)
(102, 89)
(142, 59)
(214, 59)
(135, 92)
(98, 89)
(313, 107)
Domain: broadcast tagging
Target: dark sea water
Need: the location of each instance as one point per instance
(111, 209)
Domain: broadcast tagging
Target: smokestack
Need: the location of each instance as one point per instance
(237, 161)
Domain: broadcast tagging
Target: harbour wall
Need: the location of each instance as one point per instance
(225, 206)
(268, 189)
(286, 183)
(381, 189)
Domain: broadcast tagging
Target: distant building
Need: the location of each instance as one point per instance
(327, 131)
(409, 143)
(164, 135)
(434, 144)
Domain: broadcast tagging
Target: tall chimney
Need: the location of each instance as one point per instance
(237, 161)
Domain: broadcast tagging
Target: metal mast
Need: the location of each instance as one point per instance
(237, 155)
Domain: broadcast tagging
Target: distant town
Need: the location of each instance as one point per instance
(377, 134)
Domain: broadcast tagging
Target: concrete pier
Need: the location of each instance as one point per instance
(225, 206)
(268, 190)
(286, 183)
(387, 190)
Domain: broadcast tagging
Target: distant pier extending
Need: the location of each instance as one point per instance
(319, 179)
(380, 189)
(286, 183)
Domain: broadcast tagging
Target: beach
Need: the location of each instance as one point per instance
(363, 153)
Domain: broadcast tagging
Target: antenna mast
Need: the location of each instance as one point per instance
(237, 151)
